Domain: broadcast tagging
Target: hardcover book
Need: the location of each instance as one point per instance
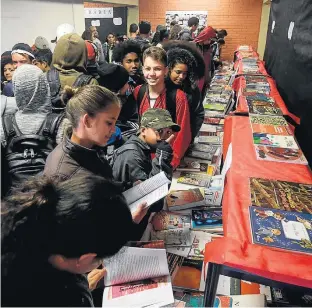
(268, 120)
(287, 196)
(266, 110)
(281, 155)
(281, 229)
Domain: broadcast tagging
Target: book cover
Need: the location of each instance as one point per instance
(213, 121)
(191, 164)
(214, 194)
(198, 154)
(240, 301)
(247, 287)
(266, 110)
(208, 128)
(281, 130)
(281, 155)
(199, 241)
(208, 219)
(268, 120)
(281, 229)
(184, 199)
(165, 220)
(196, 179)
(211, 149)
(174, 263)
(211, 139)
(283, 195)
(189, 275)
(215, 107)
(287, 142)
(173, 237)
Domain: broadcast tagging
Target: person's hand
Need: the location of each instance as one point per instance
(137, 183)
(94, 277)
(140, 212)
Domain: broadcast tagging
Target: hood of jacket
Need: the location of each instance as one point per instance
(70, 53)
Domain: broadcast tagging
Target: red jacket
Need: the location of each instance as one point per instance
(183, 137)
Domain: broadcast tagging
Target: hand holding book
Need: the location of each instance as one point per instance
(140, 212)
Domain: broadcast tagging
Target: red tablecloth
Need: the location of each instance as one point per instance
(236, 248)
(240, 66)
(240, 83)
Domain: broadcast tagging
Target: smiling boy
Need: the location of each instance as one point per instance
(155, 95)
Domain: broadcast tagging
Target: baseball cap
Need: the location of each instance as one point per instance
(158, 118)
(41, 43)
(62, 30)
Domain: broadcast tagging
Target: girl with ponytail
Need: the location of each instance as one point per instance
(54, 233)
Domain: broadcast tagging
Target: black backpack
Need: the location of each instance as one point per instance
(170, 100)
(53, 77)
(26, 154)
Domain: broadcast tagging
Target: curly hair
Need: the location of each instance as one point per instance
(122, 49)
(174, 32)
(199, 69)
(182, 56)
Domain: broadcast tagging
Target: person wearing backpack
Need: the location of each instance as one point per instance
(69, 67)
(182, 75)
(29, 131)
(155, 95)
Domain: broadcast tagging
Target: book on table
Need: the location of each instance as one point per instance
(281, 229)
(138, 275)
(196, 179)
(173, 237)
(286, 142)
(150, 191)
(164, 220)
(280, 155)
(191, 164)
(282, 195)
(208, 219)
(268, 120)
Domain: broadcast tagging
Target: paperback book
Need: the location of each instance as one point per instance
(265, 110)
(213, 121)
(268, 120)
(164, 220)
(191, 164)
(173, 237)
(281, 229)
(281, 155)
(196, 179)
(208, 219)
(281, 130)
(287, 196)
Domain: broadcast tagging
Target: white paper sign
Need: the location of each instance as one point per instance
(181, 17)
(102, 12)
(117, 21)
(295, 230)
(95, 23)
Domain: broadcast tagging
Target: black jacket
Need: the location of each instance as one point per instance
(41, 285)
(197, 112)
(69, 159)
(132, 161)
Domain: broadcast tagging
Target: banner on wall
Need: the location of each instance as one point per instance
(183, 16)
(97, 10)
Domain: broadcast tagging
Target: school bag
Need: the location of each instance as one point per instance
(26, 154)
(53, 77)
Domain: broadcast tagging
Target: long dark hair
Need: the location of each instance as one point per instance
(71, 218)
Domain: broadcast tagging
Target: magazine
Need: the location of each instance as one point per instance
(281, 229)
(281, 130)
(282, 155)
(196, 179)
(287, 196)
(166, 220)
(173, 237)
(208, 219)
(288, 142)
(150, 191)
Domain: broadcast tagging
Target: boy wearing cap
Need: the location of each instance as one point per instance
(132, 162)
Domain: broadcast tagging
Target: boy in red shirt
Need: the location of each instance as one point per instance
(154, 95)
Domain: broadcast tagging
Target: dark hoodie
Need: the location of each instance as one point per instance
(70, 58)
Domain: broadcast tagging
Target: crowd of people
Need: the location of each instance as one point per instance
(80, 125)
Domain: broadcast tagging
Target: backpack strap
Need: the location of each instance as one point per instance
(82, 80)
(141, 94)
(51, 124)
(171, 103)
(54, 81)
(10, 127)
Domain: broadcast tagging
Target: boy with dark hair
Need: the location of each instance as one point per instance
(193, 23)
(129, 55)
(144, 35)
(133, 31)
(188, 33)
(43, 59)
(222, 34)
(132, 161)
(155, 95)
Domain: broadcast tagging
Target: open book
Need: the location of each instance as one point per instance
(138, 276)
(149, 191)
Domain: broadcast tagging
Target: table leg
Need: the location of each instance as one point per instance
(212, 280)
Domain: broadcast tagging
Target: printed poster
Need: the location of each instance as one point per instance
(182, 17)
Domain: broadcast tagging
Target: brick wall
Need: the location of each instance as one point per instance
(241, 18)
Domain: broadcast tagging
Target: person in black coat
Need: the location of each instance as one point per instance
(182, 75)
(53, 233)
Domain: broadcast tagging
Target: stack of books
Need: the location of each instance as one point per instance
(250, 65)
(281, 214)
(273, 140)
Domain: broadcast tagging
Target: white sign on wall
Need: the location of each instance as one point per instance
(99, 12)
(181, 17)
